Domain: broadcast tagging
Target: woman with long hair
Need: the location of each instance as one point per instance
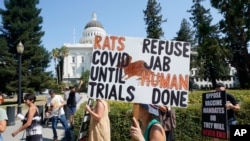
(99, 129)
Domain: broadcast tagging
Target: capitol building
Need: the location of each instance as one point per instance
(79, 57)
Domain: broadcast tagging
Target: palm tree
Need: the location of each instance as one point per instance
(63, 53)
(55, 54)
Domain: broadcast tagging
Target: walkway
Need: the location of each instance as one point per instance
(47, 132)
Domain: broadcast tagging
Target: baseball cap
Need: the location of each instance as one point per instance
(152, 109)
(219, 84)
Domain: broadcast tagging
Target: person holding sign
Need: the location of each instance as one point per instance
(99, 129)
(151, 129)
(168, 121)
(232, 106)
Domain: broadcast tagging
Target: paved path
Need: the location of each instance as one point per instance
(47, 132)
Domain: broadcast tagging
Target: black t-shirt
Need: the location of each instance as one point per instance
(231, 113)
(71, 102)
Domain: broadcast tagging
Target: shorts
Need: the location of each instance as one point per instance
(72, 110)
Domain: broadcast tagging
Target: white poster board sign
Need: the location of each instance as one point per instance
(140, 70)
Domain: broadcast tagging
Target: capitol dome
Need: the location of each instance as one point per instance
(91, 29)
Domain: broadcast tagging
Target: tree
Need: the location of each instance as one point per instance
(236, 27)
(58, 55)
(85, 78)
(21, 22)
(153, 20)
(7, 72)
(63, 53)
(211, 54)
(55, 55)
(185, 34)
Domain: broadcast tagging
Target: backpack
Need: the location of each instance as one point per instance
(168, 120)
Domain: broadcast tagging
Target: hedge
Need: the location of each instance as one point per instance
(188, 119)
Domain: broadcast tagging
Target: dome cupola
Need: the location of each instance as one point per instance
(91, 29)
(93, 22)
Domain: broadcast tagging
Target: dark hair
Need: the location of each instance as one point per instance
(219, 84)
(30, 97)
(51, 91)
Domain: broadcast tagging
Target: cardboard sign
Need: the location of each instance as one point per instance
(214, 115)
(140, 70)
(83, 132)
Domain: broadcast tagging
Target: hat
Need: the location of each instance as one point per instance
(152, 109)
(219, 84)
(51, 91)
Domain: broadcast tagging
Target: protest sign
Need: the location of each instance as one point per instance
(214, 115)
(140, 70)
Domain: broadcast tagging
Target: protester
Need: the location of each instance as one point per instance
(151, 129)
(232, 106)
(168, 121)
(56, 103)
(31, 121)
(99, 129)
(3, 118)
(72, 99)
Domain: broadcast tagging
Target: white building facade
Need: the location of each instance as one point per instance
(80, 54)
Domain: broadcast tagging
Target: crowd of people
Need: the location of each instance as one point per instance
(153, 123)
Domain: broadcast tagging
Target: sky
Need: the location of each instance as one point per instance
(64, 20)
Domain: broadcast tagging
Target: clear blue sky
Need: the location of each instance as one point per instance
(119, 17)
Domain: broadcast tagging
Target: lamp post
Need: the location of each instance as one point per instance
(20, 49)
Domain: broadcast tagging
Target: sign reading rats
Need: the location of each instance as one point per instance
(140, 70)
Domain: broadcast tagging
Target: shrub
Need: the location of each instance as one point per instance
(188, 119)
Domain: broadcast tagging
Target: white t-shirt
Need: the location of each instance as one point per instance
(56, 102)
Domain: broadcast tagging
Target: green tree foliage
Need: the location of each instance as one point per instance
(55, 55)
(58, 55)
(236, 27)
(21, 22)
(153, 20)
(85, 78)
(185, 32)
(211, 55)
(7, 69)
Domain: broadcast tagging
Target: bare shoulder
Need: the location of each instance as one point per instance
(157, 133)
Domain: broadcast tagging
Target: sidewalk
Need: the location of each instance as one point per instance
(47, 132)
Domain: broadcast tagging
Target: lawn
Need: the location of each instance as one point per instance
(40, 100)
